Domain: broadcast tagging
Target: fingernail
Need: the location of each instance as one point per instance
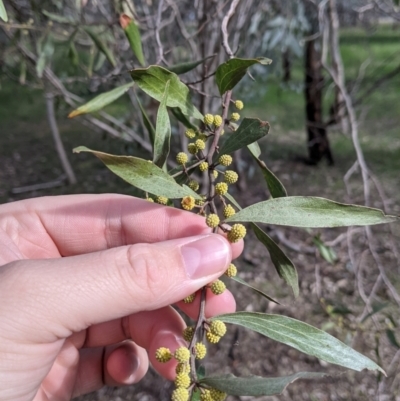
(206, 255)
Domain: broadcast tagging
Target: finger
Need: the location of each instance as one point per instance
(80, 224)
(215, 304)
(120, 364)
(70, 294)
(60, 381)
(139, 327)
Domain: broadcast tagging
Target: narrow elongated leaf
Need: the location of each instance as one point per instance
(249, 131)
(142, 174)
(302, 337)
(101, 45)
(132, 33)
(182, 118)
(46, 53)
(304, 211)
(230, 73)
(256, 385)
(254, 149)
(3, 12)
(182, 68)
(58, 18)
(163, 131)
(283, 265)
(147, 123)
(153, 79)
(263, 294)
(276, 188)
(101, 100)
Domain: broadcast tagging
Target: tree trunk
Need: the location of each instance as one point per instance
(318, 143)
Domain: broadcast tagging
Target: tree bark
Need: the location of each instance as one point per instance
(286, 67)
(318, 142)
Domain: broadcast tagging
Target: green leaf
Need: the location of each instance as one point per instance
(255, 385)
(263, 294)
(275, 187)
(3, 12)
(101, 45)
(182, 118)
(392, 338)
(163, 131)
(101, 100)
(304, 211)
(230, 73)
(248, 132)
(73, 54)
(283, 265)
(325, 251)
(147, 123)
(46, 53)
(376, 308)
(182, 68)
(153, 79)
(302, 337)
(58, 18)
(142, 174)
(132, 33)
(255, 149)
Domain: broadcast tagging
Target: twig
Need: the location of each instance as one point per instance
(57, 139)
(224, 28)
(36, 187)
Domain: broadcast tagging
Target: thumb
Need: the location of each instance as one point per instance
(69, 294)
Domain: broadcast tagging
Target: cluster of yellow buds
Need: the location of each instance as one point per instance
(212, 395)
(215, 331)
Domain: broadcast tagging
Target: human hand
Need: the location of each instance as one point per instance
(86, 284)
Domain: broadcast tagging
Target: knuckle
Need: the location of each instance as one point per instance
(143, 270)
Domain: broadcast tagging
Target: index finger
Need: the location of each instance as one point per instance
(80, 224)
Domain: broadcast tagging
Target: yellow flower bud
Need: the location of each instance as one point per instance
(225, 160)
(190, 133)
(231, 176)
(188, 202)
(239, 104)
(238, 231)
(182, 354)
(217, 120)
(212, 338)
(208, 119)
(235, 116)
(180, 394)
(182, 380)
(200, 145)
(182, 368)
(212, 220)
(217, 287)
(193, 184)
(231, 271)
(181, 158)
(221, 188)
(228, 211)
(188, 333)
(201, 350)
(192, 148)
(189, 299)
(163, 355)
(162, 200)
(218, 328)
(203, 166)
